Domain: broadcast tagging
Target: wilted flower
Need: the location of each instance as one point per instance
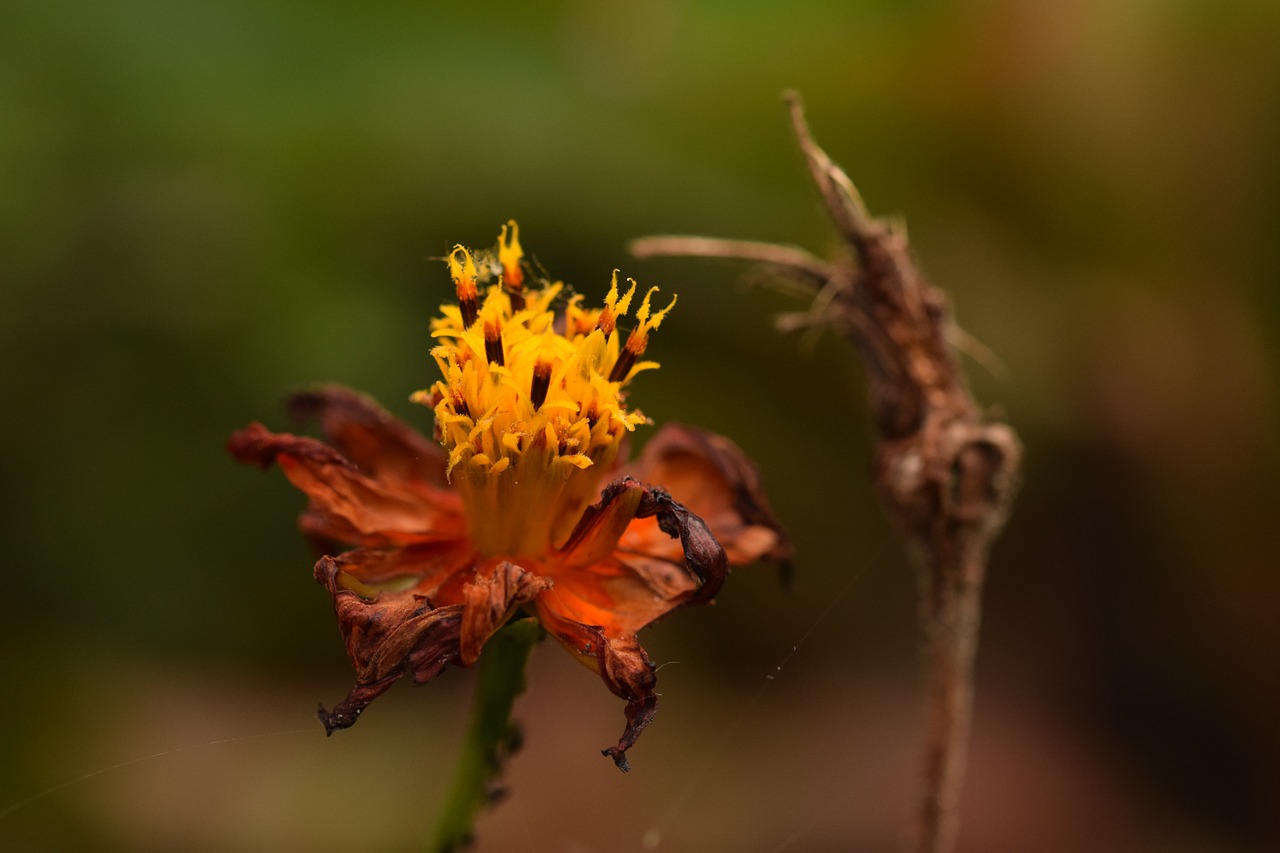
(504, 511)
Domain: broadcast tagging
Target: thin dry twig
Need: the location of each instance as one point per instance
(946, 474)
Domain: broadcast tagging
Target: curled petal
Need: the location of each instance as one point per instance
(257, 445)
(602, 598)
(369, 436)
(386, 637)
(490, 600)
(397, 632)
(585, 564)
(710, 476)
(620, 662)
(703, 555)
(596, 534)
(434, 570)
(346, 504)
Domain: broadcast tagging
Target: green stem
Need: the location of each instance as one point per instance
(490, 737)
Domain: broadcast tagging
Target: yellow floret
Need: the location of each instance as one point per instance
(530, 406)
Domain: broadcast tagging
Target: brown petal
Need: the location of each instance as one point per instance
(386, 637)
(619, 661)
(714, 479)
(703, 555)
(394, 633)
(490, 600)
(369, 436)
(346, 504)
(601, 599)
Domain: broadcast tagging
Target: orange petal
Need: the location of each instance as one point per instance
(369, 436)
(346, 504)
(621, 504)
(434, 570)
(619, 661)
(596, 534)
(715, 480)
(621, 596)
(490, 600)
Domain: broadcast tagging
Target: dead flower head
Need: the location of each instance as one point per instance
(505, 510)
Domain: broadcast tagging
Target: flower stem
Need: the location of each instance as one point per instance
(490, 737)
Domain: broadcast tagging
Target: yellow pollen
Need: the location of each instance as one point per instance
(530, 406)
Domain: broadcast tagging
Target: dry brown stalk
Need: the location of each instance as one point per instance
(946, 473)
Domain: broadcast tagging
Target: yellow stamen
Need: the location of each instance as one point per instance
(464, 281)
(614, 307)
(531, 411)
(509, 255)
(638, 340)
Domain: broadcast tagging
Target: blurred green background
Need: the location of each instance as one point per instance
(204, 206)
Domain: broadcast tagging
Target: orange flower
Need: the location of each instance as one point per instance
(505, 511)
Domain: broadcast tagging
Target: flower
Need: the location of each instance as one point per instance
(505, 511)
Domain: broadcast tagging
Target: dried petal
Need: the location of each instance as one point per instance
(346, 504)
(703, 556)
(398, 632)
(601, 600)
(393, 634)
(490, 600)
(619, 661)
(596, 534)
(369, 436)
(429, 569)
(714, 479)
(585, 565)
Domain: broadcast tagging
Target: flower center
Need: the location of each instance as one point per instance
(531, 406)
